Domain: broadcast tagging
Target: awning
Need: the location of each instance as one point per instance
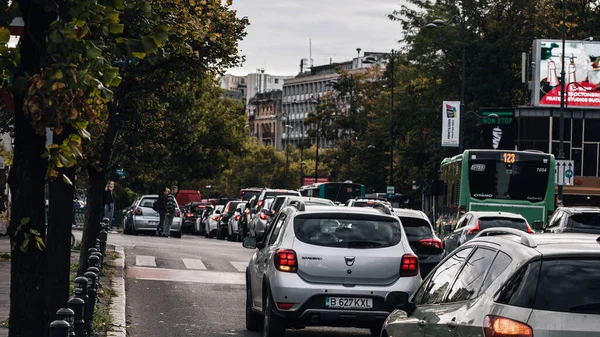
(580, 190)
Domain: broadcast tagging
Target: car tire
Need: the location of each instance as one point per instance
(254, 321)
(273, 325)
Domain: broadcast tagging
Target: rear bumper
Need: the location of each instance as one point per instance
(150, 224)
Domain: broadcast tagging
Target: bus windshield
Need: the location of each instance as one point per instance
(520, 179)
(342, 191)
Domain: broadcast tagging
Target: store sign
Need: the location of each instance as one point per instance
(499, 126)
(450, 123)
(582, 73)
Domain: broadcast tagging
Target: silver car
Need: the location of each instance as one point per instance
(327, 266)
(542, 285)
(235, 232)
(212, 222)
(145, 219)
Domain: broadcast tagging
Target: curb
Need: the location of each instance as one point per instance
(117, 308)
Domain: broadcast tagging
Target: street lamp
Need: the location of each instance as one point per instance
(561, 130)
(461, 20)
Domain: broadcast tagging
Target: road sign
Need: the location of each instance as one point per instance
(390, 191)
(564, 172)
(121, 173)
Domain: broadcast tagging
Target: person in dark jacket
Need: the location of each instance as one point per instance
(171, 208)
(162, 210)
(108, 203)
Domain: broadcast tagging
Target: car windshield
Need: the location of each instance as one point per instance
(415, 227)
(148, 201)
(492, 222)
(360, 232)
(589, 220)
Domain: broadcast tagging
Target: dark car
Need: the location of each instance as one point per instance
(247, 193)
(422, 238)
(572, 220)
(191, 212)
(257, 224)
(228, 212)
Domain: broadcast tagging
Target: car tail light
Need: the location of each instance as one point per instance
(247, 211)
(138, 211)
(237, 217)
(409, 266)
(494, 326)
(177, 213)
(285, 306)
(260, 202)
(462, 210)
(475, 229)
(285, 260)
(190, 215)
(216, 218)
(529, 230)
(434, 242)
(263, 216)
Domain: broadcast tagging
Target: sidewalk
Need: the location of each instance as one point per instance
(119, 302)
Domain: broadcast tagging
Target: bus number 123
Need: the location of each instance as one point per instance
(509, 158)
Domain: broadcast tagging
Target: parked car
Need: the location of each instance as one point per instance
(202, 219)
(281, 201)
(327, 266)
(248, 215)
(572, 220)
(247, 193)
(191, 212)
(517, 284)
(473, 222)
(212, 221)
(145, 219)
(257, 223)
(422, 238)
(225, 216)
(365, 202)
(235, 232)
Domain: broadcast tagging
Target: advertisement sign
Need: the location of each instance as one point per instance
(582, 73)
(450, 123)
(499, 126)
(311, 180)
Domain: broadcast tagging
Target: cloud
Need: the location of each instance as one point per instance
(280, 30)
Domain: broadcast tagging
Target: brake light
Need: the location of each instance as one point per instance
(260, 202)
(529, 230)
(190, 215)
(462, 210)
(216, 218)
(285, 306)
(247, 211)
(409, 266)
(177, 213)
(263, 216)
(285, 260)
(138, 211)
(474, 229)
(237, 217)
(435, 242)
(494, 326)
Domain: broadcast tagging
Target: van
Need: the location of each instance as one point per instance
(184, 197)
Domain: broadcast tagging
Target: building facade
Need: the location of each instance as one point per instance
(263, 121)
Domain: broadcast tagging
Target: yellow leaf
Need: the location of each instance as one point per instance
(58, 85)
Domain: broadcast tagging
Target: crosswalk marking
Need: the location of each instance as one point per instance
(194, 264)
(145, 261)
(178, 275)
(240, 266)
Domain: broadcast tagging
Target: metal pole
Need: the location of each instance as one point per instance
(285, 128)
(317, 156)
(392, 140)
(561, 153)
(301, 167)
(461, 124)
(351, 124)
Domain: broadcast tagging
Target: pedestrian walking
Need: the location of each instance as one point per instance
(108, 202)
(171, 207)
(161, 208)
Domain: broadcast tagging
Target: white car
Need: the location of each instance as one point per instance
(143, 218)
(212, 223)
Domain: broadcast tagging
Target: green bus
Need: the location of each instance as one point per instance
(334, 191)
(519, 182)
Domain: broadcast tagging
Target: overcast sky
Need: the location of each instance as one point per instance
(279, 31)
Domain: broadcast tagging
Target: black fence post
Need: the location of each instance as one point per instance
(77, 305)
(67, 315)
(59, 328)
(81, 292)
(91, 302)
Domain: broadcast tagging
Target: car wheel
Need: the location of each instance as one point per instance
(254, 321)
(273, 325)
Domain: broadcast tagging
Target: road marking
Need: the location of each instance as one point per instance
(145, 261)
(240, 266)
(178, 275)
(194, 264)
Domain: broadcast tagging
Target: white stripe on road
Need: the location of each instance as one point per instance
(240, 266)
(194, 264)
(145, 261)
(178, 275)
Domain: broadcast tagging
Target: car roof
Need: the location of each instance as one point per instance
(548, 244)
(480, 214)
(410, 213)
(578, 209)
(315, 209)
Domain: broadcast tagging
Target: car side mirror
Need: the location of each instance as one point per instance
(249, 242)
(399, 300)
(447, 228)
(537, 225)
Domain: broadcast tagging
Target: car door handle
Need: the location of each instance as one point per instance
(452, 324)
(422, 322)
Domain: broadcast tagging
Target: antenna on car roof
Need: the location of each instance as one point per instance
(382, 207)
(526, 238)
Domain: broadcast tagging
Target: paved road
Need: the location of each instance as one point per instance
(191, 287)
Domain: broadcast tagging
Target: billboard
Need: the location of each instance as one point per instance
(450, 123)
(582, 73)
(499, 126)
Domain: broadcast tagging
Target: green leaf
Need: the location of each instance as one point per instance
(150, 46)
(4, 35)
(56, 36)
(25, 245)
(139, 55)
(116, 28)
(25, 221)
(81, 125)
(34, 231)
(119, 4)
(93, 52)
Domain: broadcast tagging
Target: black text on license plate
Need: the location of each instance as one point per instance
(348, 303)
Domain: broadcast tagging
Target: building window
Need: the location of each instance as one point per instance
(591, 127)
(276, 81)
(556, 129)
(576, 156)
(590, 160)
(243, 81)
(577, 137)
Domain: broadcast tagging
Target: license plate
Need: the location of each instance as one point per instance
(153, 222)
(348, 303)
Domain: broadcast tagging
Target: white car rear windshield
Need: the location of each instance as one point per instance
(357, 233)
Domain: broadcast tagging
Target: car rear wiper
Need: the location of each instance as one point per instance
(364, 244)
(588, 308)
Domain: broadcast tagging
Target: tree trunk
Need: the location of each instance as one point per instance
(60, 218)
(97, 181)
(28, 313)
